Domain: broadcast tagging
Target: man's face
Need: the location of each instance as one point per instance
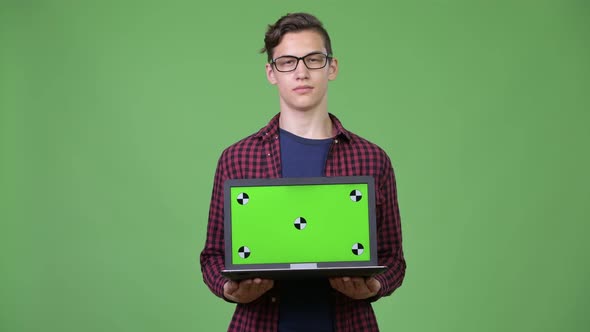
(302, 89)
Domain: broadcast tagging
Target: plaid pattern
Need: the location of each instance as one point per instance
(258, 156)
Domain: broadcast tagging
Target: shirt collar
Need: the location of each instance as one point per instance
(272, 128)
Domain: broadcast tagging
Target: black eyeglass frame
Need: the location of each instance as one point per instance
(274, 61)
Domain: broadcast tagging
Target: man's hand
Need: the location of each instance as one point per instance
(356, 288)
(247, 290)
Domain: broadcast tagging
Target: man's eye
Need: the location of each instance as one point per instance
(315, 59)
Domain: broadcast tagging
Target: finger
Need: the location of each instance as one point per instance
(231, 291)
(333, 283)
(246, 285)
(374, 285)
(257, 287)
(359, 285)
(337, 283)
(264, 283)
(267, 284)
(348, 285)
(230, 287)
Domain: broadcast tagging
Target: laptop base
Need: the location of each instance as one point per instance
(290, 274)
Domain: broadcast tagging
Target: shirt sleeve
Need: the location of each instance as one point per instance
(212, 256)
(389, 233)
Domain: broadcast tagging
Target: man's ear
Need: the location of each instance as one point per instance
(270, 74)
(333, 69)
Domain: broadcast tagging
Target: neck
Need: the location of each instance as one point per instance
(313, 125)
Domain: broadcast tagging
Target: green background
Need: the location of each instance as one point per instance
(113, 115)
(266, 224)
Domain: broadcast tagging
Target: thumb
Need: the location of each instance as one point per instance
(374, 285)
(230, 287)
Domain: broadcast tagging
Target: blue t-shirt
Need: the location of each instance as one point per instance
(303, 157)
(305, 305)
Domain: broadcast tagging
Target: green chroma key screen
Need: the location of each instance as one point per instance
(300, 223)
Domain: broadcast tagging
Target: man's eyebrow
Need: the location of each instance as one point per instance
(313, 52)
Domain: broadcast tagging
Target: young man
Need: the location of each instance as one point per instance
(304, 140)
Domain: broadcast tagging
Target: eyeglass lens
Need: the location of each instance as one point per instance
(311, 61)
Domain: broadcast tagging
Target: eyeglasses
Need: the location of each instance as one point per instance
(289, 63)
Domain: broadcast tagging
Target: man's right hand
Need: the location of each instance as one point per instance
(247, 290)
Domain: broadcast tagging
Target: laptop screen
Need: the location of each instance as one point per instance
(300, 220)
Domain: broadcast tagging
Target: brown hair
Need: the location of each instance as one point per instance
(293, 22)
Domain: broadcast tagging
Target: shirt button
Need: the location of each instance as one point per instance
(273, 299)
(268, 154)
(335, 141)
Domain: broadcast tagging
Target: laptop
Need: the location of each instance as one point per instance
(294, 228)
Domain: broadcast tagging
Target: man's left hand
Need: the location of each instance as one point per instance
(356, 287)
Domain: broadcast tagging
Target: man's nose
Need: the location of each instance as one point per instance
(301, 71)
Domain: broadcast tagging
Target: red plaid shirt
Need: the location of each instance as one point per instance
(258, 156)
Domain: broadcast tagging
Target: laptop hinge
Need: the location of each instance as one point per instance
(304, 266)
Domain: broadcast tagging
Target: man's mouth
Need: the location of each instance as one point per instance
(303, 89)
